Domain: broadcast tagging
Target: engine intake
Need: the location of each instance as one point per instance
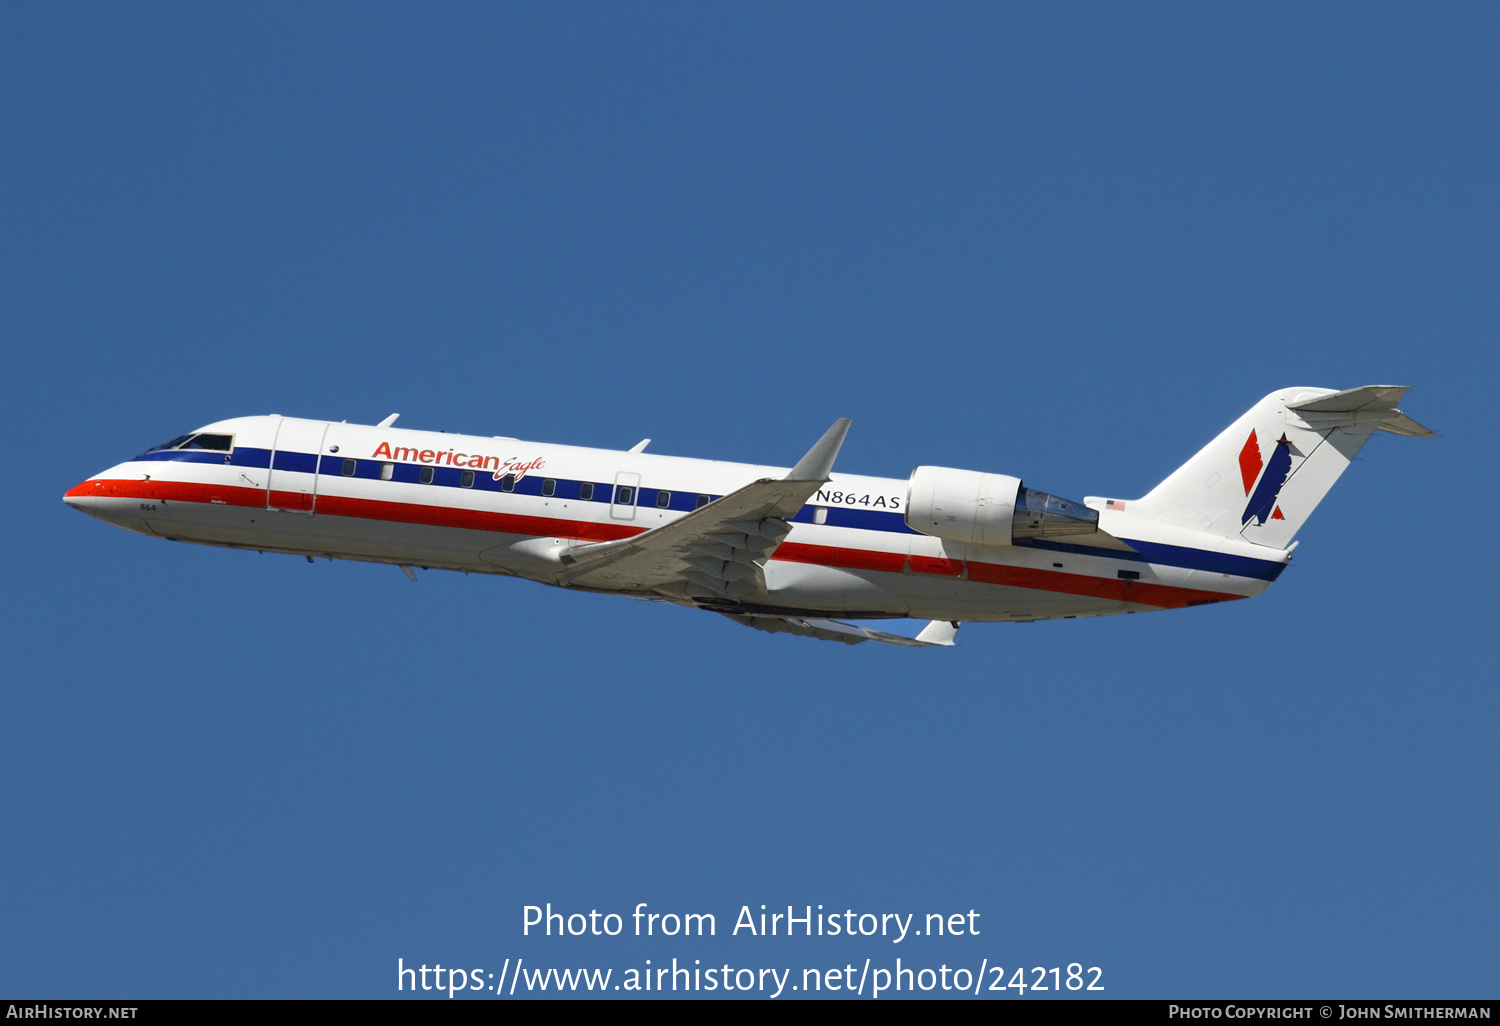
(989, 509)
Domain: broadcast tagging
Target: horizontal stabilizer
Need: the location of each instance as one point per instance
(1369, 399)
(848, 633)
(1399, 423)
(1354, 400)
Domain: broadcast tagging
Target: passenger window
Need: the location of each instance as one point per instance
(426, 476)
(466, 479)
(586, 491)
(508, 483)
(387, 471)
(703, 500)
(549, 487)
(349, 466)
(625, 495)
(820, 514)
(218, 443)
(663, 500)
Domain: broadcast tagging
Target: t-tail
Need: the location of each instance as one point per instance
(1266, 473)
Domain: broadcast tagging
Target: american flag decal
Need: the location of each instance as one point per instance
(1114, 504)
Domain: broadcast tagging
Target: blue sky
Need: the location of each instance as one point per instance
(1068, 243)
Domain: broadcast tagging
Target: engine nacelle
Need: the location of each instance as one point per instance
(989, 509)
(962, 505)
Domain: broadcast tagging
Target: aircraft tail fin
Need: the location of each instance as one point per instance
(1263, 476)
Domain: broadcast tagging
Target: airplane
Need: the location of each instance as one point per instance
(800, 550)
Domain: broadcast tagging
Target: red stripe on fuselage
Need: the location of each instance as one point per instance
(223, 495)
(1138, 592)
(1141, 592)
(471, 519)
(831, 555)
(363, 509)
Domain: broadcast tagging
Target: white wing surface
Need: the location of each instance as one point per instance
(715, 553)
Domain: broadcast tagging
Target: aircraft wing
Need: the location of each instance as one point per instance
(936, 633)
(715, 552)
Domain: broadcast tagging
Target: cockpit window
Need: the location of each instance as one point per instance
(174, 443)
(214, 443)
(218, 443)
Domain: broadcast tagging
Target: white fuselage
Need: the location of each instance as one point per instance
(504, 506)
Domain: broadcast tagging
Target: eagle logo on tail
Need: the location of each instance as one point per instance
(1272, 474)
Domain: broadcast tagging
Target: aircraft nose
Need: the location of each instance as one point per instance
(86, 497)
(77, 494)
(102, 498)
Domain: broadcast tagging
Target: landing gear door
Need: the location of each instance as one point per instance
(627, 488)
(292, 482)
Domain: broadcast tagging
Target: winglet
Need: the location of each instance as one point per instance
(818, 463)
(939, 632)
(389, 420)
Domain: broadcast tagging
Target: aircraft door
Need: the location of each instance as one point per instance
(627, 489)
(292, 482)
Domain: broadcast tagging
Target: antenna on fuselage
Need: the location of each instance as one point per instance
(389, 420)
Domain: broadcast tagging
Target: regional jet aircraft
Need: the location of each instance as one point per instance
(796, 550)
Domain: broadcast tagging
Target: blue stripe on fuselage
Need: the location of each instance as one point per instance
(860, 519)
(1171, 555)
(244, 456)
(1206, 559)
(686, 501)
